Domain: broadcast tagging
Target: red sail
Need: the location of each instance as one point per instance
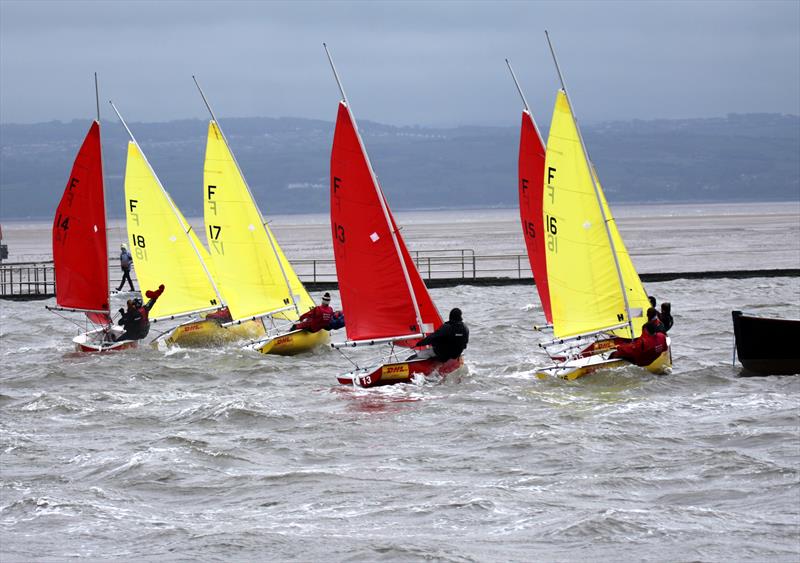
(374, 292)
(531, 187)
(80, 250)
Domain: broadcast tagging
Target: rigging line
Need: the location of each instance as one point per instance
(347, 358)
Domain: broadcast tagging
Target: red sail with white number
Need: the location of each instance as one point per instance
(531, 188)
(375, 292)
(80, 252)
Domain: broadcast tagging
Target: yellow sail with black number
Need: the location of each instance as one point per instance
(250, 267)
(585, 288)
(162, 251)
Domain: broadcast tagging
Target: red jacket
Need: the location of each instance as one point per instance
(644, 350)
(316, 319)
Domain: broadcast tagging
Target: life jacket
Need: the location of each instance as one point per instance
(316, 319)
(337, 321)
(144, 322)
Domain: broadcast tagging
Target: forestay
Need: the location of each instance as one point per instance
(585, 288)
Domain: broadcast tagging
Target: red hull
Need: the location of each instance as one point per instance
(399, 372)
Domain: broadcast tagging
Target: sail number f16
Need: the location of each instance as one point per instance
(551, 223)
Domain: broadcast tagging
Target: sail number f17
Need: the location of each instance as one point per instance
(214, 243)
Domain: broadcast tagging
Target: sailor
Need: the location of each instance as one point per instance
(317, 318)
(136, 320)
(337, 321)
(448, 341)
(666, 316)
(654, 320)
(644, 350)
(125, 262)
(220, 316)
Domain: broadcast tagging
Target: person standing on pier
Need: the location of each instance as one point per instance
(125, 262)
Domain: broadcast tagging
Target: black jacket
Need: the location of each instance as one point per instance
(131, 321)
(448, 341)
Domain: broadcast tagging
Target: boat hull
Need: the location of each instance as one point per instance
(767, 346)
(586, 365)
(399, 372)
(207, 332)
(94, 341)
(291, 343)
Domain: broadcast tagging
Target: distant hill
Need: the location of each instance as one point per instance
(735, 158)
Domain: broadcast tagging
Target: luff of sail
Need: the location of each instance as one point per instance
(162, 251)
(374, 293)
(531, 186)
(585, 289)
(80, 252)
(249, 267)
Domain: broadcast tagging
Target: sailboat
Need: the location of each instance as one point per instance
(80, 247)
(596, 295)
(164, 246)
(258, 283)
(382, 293)
(531, 189)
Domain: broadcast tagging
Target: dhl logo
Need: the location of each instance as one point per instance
(397, 371)
(192, 328)
(283, 340)
(604, 345)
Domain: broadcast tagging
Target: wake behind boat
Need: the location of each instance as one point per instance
(382, 293)
(596, 297)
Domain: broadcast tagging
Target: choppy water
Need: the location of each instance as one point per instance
(230, 455)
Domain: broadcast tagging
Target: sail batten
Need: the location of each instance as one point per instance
(80, 248)
(380, 287)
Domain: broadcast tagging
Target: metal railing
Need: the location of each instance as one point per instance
(19, 279)
(32, 279)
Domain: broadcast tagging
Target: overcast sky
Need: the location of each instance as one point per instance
(402, 63)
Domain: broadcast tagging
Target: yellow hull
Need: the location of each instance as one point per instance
(584, 366)
(204, 332)
(291, 343)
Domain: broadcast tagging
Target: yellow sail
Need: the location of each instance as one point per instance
(162, 252)
(246, 266)
(585, 290)
(637, 297)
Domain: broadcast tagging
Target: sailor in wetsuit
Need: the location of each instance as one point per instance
(317, 318)
(644, 350)
(448, 341)
(135, 320)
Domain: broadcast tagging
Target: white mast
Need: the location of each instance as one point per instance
(186, 228)
(596, 189)
(527, 108)
(381, 199)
